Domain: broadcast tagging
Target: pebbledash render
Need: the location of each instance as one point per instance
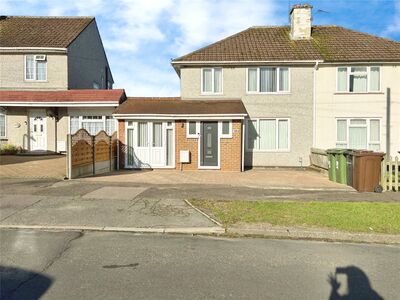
(300, 86)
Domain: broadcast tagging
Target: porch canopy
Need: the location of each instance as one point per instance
(176, 108)
(63, 98)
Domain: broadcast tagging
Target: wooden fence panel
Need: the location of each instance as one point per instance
(90, 155)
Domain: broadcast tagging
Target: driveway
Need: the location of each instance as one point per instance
(256, 178)
(35, 166)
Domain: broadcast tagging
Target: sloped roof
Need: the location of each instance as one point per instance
(52, 32)
(177, 106)
(328, 43)
(72, 96)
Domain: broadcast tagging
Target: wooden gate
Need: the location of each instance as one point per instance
(91, 154)
(390, 174)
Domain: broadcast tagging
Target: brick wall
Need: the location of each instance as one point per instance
(183, 143)
(230, 147)
(122, 143)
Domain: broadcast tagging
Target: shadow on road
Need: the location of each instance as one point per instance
(16, 283)
(358, 285)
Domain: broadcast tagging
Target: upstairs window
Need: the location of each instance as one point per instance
(268, 80)
(358, 79)
(36, 67)
(211, 81)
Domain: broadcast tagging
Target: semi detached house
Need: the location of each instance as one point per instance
(54, 79)
(265, 96)
(262, 97)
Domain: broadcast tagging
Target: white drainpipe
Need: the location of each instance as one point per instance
(314, 105)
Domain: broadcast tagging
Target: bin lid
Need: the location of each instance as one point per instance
(367, 153)
(337, 151)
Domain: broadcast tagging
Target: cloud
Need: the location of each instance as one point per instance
(201, 22)
(140, 36)
(394, 28)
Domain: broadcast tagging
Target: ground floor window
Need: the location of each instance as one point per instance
(268, 134)
(2, 124)
(93, 124)
(358, 133)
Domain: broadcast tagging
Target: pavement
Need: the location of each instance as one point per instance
(98, 265)
(50, 204)
(73, 204)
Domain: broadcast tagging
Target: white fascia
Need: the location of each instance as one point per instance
(61, 104)
(32, 49)
(179, 117)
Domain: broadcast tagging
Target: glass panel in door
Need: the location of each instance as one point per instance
(170, 149)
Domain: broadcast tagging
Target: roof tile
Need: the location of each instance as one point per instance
(52, 32)
(329, 43)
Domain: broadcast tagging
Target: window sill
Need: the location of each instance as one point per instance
(362, 93)
(268, 151)
(34, 80)
(211, 94)
(272, 93)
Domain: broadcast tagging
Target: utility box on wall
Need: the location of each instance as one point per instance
(184, 156)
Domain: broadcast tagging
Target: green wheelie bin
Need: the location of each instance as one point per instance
(341, 166)
(331, 164)
(337, 165)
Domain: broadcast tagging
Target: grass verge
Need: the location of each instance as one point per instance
(344, 216)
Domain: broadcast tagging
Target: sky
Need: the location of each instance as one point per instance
(142, 36)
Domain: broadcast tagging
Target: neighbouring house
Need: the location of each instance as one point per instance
(41, 120)
(54, 79)
(278, 91)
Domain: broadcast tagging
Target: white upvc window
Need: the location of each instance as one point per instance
(93, 124)
(360, 79)
(226, 129)
(268, 135)
(268, 80)
(36, 67)
(3, 124)
(211, 81)
(358, 133)
(192, 129)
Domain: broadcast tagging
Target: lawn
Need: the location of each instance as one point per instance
(344, 216)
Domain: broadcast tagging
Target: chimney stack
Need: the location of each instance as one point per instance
(300, 22)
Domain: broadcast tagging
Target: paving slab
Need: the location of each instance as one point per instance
(112, 192)
(68, 211)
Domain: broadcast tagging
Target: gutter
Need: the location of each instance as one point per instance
(179, 116)
(61, 104)
(32, 49)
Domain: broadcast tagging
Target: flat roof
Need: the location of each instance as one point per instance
(179, 107)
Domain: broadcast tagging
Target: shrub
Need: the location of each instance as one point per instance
(8, 149)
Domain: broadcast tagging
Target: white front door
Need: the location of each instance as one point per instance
(142, 159)
(38, 130)
(157, 149)
(146, 144)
